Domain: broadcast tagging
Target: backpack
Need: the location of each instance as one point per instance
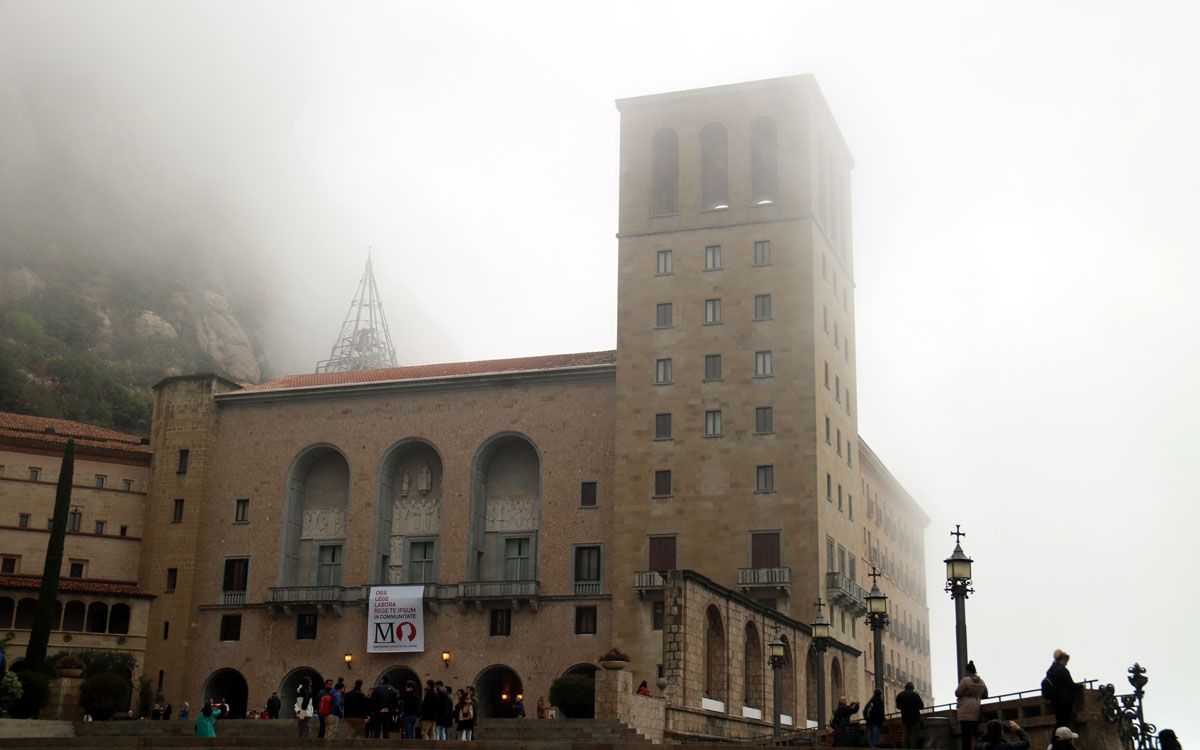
(1048, 690)
(325, 707)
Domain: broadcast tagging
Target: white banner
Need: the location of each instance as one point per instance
(395, 619)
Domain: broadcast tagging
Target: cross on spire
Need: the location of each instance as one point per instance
(958, 534)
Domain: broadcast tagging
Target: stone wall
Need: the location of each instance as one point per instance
(617, 700)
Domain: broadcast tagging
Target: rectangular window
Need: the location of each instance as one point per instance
(764, 549)
(828, 432)
(764, 419)
(241, 510)
(306, 626)
(99, 527)
(172, 578)
(166, 629)
(712, 257)
(237, 571)
(585, 621)
(587, 570)
(665, 265)
(77, 568)
(124, 531)
(848, 401)
(183, 461)
(765, 479)
(34, 473)
(587, 495)
(421, 562)
(762, 306)
(829, 488)
(100, 479)
(662, 553)
(75, 519)
(850, 507)
(662, 370)
(826, 376)
(763, 366)
(712, 366)
(231, 627)
(824, 318)
(127, 485)
(839, 441)
(839, 497)
(662, 483)
(829, 558)
(657, 612)
(849, 454)
(712, 423)
(177, 511)
(712, 311)
(329, 565)
(663, 315)
(762, 252)
(852, 570)
(837, 388)
(518, 565)
(500, 622)
(841, 559)
(23, 520)
(837, 339)
(662, 426)
(8, 564)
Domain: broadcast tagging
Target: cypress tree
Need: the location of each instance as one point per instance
(39, 637)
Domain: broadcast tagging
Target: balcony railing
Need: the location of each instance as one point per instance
(844, 592)
(648, 580)
(587, 588)
(515, 591)
(233, 598)
(766, 578)
(333, 598)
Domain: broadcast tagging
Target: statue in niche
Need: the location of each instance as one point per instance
(404, 485)
(424, 479)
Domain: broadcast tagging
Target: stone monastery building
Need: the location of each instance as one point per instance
(687, 497)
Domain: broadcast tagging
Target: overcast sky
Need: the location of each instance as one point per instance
(1025, 218)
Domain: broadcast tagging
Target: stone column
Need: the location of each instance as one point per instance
(63, 704)
(614, 695)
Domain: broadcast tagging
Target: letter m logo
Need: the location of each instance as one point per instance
(385, 632)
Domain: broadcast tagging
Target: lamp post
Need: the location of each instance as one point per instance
(958, 585)
(777, 648)
(820, 640)
(877, 618)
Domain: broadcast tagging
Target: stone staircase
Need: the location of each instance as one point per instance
(586, 731)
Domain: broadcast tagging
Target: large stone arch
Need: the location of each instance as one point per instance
(764, 164)
(496, 690)
(314, 517)
(26, 612)
(664, 172)
(837, 688)
(397, 676)
(228, 683)
(506, 491)
(716, 665)
(409, 512)
(787, 681)
(291, 683)
(714, 166)
(753, 668)
(810, 687)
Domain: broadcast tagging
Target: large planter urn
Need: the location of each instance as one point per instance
(614, 659)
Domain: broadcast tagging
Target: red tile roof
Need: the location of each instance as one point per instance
(51, 434)
(77, 586)
(442, 370)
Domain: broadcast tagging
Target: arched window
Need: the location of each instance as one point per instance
(664, 167)
(8, 608)
(753, 683)
(714, 167)
(506, 488)
(97, 617)
(118, 619)
(73, 615)
(764, 167)
(314, 534)
(714, 656)
(835, 679)
(787, 680)
(409, 514)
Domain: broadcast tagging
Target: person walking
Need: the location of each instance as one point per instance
(206, 721)
(541, 707)
(873, 714)
(304, 706)
(519, 707)
(383, 703)
(356, 707)
(970, 691)
(1062, 688)
(466, 715)
(273, 706)
(445, 720)
(329, 710)
(845, 733)
(993, 739)
(410, 710)
(909, 703)
(428, 711)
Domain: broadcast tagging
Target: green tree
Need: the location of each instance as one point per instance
(104, 694)
(574, 695)
(39, 636)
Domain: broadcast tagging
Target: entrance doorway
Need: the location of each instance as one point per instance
(498, 689)
(228, 684)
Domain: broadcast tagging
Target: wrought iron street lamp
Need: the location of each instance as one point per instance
(877, 618)
(820, 640)
(958, 585)
(777, 649)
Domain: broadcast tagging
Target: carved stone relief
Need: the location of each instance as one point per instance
(324, 523)
(511, 513)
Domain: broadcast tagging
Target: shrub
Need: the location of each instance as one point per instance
(10, 691)
(103, 695)
(35, 693)
(574, 695)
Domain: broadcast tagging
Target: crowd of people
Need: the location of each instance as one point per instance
(436, 713)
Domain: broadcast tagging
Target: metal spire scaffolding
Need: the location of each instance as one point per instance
(364, 343)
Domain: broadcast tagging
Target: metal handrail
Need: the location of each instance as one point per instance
(1019, 695)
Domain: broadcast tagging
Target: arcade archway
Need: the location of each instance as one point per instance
(291, 682)
(497, 690)
(397, 676)
(228, 684)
